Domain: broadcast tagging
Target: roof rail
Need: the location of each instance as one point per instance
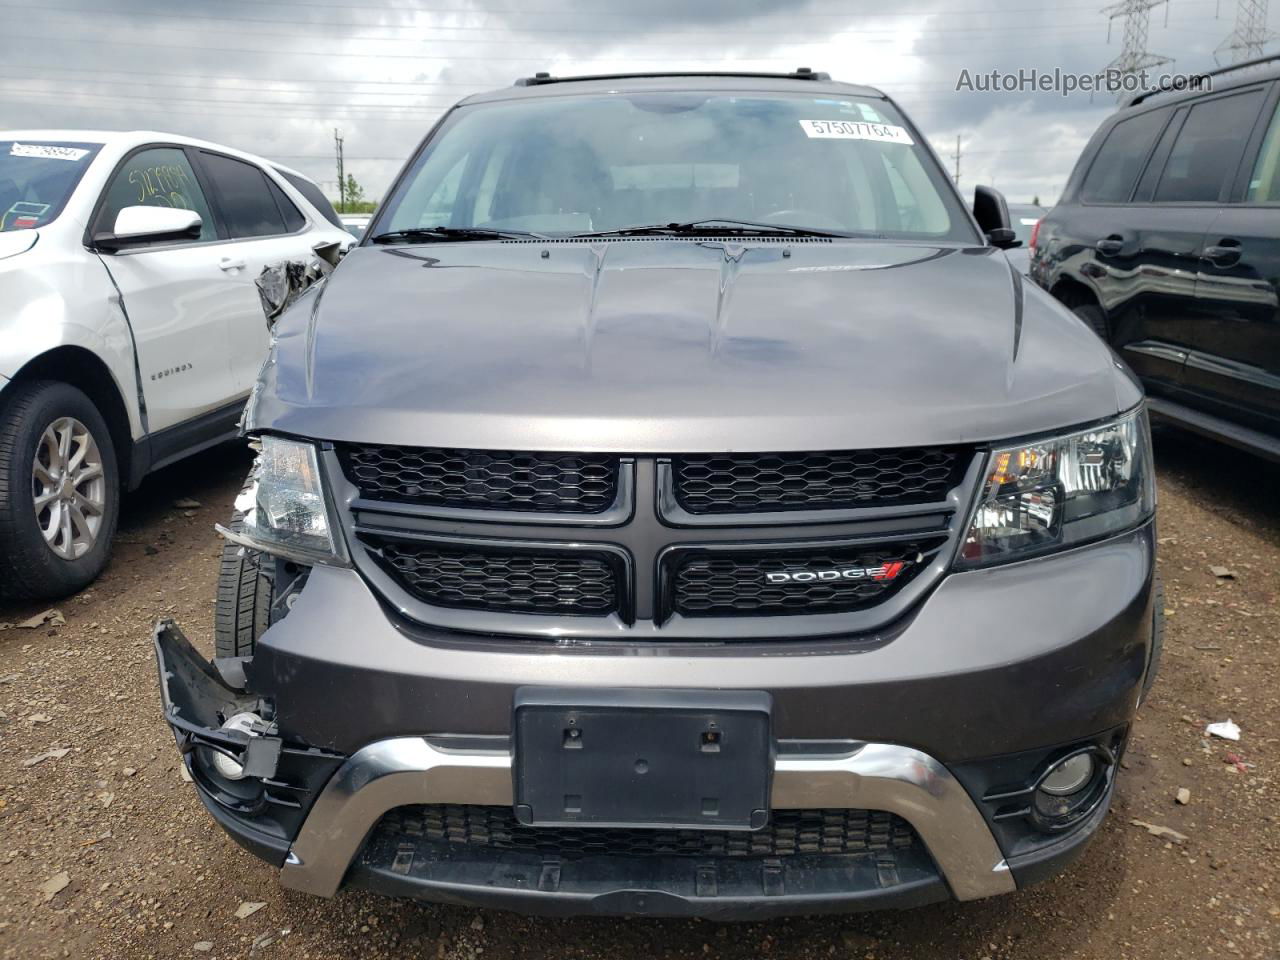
(1197, 80)
(800, 73)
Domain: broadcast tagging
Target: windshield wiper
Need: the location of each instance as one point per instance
(719, 226)
(436, 234)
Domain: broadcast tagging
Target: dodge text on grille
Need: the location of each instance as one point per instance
(886, 571)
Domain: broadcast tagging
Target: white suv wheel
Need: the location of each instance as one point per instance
(68, 488)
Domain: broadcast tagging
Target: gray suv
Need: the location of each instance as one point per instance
(677, 504)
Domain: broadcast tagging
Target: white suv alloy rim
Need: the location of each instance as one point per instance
(69, 488)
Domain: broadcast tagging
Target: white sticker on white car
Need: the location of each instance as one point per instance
(855, 130)
(44, 151)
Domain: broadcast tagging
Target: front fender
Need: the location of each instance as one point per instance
(69, 301)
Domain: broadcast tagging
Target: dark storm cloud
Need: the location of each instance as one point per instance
(278, 77)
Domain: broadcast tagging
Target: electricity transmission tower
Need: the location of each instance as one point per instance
(1134, 57)
(1250, 35)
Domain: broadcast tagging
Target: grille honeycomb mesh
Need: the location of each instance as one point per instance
(706, 584)
(502, 580)
(789, 833)
(483, 479)
(757, 482)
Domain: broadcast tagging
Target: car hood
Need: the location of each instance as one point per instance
(14, 242)
(654, 346)
(1020, 257)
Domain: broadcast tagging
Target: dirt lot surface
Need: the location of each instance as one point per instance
(106, 852)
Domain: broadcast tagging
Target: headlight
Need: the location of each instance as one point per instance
(1059, 491)
(286, 511)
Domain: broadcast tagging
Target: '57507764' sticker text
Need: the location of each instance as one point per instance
(856, 130)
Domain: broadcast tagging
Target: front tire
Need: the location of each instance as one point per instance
(59, 491)
(242, 611)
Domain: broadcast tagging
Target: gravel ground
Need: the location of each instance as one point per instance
(105, 851)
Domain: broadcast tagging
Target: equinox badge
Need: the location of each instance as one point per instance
(888, 571)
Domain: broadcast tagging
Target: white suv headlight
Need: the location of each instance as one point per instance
(1056, 492)
(286, 508)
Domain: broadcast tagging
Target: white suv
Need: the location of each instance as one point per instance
(131, 330)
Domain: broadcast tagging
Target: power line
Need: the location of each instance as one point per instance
(59, 100)
(154, 103)
(528, 10)
(562, 35)
(1250, 36)
(947, 52)
(325, 156)
(307, 81)
(232, 101)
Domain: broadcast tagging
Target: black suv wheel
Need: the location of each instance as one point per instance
(59, 491)
(242, 610)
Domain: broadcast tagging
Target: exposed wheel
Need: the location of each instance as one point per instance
(1094, 316)
(1157, 637)
(59, 491)
(242, 611)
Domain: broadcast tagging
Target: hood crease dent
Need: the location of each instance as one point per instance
(681, 345)
(595, 255)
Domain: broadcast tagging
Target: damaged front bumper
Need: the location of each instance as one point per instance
(384, 753)
(265, 807)
(322, 818)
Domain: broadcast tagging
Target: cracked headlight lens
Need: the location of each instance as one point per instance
(286, 511)
(1061, 491)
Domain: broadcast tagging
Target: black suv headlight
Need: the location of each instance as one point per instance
(286, 508)
(1059, 491)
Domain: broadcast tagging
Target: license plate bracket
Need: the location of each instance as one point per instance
(683, 759)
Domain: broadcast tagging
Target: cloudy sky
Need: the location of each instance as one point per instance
(277, 76)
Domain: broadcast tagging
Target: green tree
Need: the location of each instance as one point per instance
(1036, 200)
(352, 193)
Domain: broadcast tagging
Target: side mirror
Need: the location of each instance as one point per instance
(992, 214)
(138, 225)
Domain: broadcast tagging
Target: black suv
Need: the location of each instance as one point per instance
(1167, 242)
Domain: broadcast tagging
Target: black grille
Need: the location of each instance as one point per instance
(706, 584)
(760, 482)
(483, 479)
(502, 580)
(789, 833)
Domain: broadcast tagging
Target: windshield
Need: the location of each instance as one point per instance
(37, 177)
(572, 165)
(1023, 221)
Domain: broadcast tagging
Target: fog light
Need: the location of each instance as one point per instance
(225, 765)
(1069, 776)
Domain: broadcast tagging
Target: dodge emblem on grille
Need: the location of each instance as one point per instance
(888, 571)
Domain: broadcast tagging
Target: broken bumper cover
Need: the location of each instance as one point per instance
(983, 711)
(315, 815)
(318, 834)
(264, 810)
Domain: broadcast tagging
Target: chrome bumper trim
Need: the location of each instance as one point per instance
(875, 776)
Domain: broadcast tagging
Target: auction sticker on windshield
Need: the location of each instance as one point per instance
(46, 151)
(855, 130)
